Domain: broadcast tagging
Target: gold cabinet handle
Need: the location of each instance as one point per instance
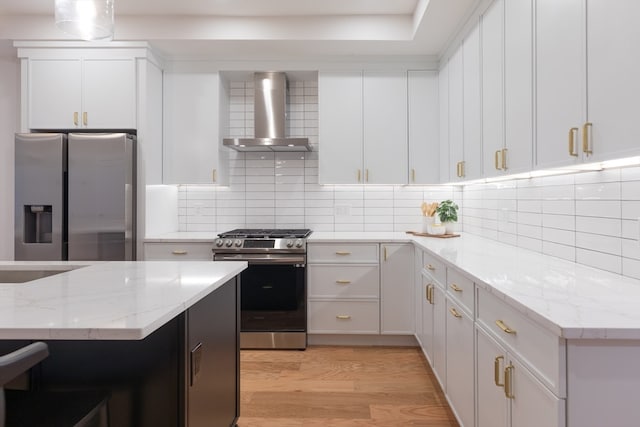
(430, 293)
(343, 282)
(496, 161)
(572, 142)
(455, 312)
(214, 175)
(458, 169)
(343, 317)
(455, 287)
(366, 175)
(431, 267)
(586, 137)
(342, 253)
(179, 252)
(359, 175)
(496, 371)
(75, 118)
(413, 175)
(84, 118)
(504, 327)
(508, 379)
(385, 253)
(504, 159)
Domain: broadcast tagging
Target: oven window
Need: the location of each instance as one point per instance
(273, 298)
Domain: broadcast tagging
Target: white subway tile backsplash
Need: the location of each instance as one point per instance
(595, 225)
(631, 268)
(599, 260)
(599, 191)
(559, 207)
(599, 208)
(567, 252)
(596, 242)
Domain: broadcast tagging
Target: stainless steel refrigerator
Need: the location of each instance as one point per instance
(75, 196)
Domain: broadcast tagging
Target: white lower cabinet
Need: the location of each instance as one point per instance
(173, 251)
(459, 364)
(396, 288)
(508, 394)
(433, 327)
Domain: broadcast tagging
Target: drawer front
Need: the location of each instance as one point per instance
(343, 281)
(541, 349)
(343, 317)
(178, 251)
(461, 289)
(434, 267)
(339, 253)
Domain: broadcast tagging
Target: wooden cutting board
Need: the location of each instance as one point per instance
(439, 236)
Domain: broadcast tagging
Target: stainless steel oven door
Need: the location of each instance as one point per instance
(272, 299)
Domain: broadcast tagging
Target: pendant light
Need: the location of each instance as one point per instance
(86, 19)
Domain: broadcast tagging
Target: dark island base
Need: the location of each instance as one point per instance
(187, 373)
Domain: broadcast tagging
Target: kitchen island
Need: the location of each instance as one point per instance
(160, 337)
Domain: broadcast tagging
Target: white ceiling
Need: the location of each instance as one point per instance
(236, 29)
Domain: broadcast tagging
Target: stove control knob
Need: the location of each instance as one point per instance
(298, 243)
(238, 242)
(219, 242)
(289, 243)
(228, 242)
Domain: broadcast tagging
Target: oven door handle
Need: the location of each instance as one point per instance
(262, 258)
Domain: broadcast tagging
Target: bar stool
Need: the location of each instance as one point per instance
(46, 408)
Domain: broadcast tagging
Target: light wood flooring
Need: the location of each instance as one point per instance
(340, 386)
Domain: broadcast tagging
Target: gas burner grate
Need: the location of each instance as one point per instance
(260, 233)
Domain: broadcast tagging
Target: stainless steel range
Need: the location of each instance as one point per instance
(273, 289)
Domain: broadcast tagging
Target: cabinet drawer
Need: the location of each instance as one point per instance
(343, 281)
(342, 253)
(434, 268)
(178, 251)
(461, 289)
(343, 317)
(541, 349)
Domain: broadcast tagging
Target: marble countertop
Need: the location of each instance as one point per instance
(105, 300)
(572, 300)
(183, 236)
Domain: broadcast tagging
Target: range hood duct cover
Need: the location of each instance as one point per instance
(270, 112)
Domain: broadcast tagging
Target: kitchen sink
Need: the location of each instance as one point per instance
(23, 276)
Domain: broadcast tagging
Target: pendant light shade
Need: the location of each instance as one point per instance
(86, 19)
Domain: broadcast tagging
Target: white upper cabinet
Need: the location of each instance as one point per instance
(456, 116)
(560, 81)
(518, 87)
(493, 109)
(340, 127)
(443, 103)
(81, 93)
(363, 127)
(472, 167)
(424, 155)
(192, 151)
(385, 127)
(613, 88)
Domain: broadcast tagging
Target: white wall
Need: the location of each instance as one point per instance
(9, 124)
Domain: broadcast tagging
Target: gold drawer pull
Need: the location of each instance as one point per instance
(504, 327)
(572, 142)
(586, 133)
(455, 312)
(343, 317)
(496, 371)
(75, 118)
(85, 121)
(343, 282)
(430, 293)
(179, 252)
(343, 253)
(508, 392)
(455, 287)
(431, 267)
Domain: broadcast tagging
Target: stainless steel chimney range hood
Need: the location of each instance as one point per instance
(270, 111)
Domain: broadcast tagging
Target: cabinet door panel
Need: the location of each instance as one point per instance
(518, 84)
(443, 101)
(340, 132)
(424, 166)
(109, 93)
(396, 305)
(456, 114)
(54, 93)
(560, 78)
(492, 85)
(472, 105)
(439, 361)
(460, 360)
(428, 309)
(533, 404)
(385, 127)
(613, 36)
(191, 142)
(492, 403)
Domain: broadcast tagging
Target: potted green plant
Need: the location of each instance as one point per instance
(448, 213)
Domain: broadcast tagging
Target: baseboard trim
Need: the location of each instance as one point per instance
(368, 340)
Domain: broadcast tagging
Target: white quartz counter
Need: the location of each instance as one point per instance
(183, 236)
(105, 301)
